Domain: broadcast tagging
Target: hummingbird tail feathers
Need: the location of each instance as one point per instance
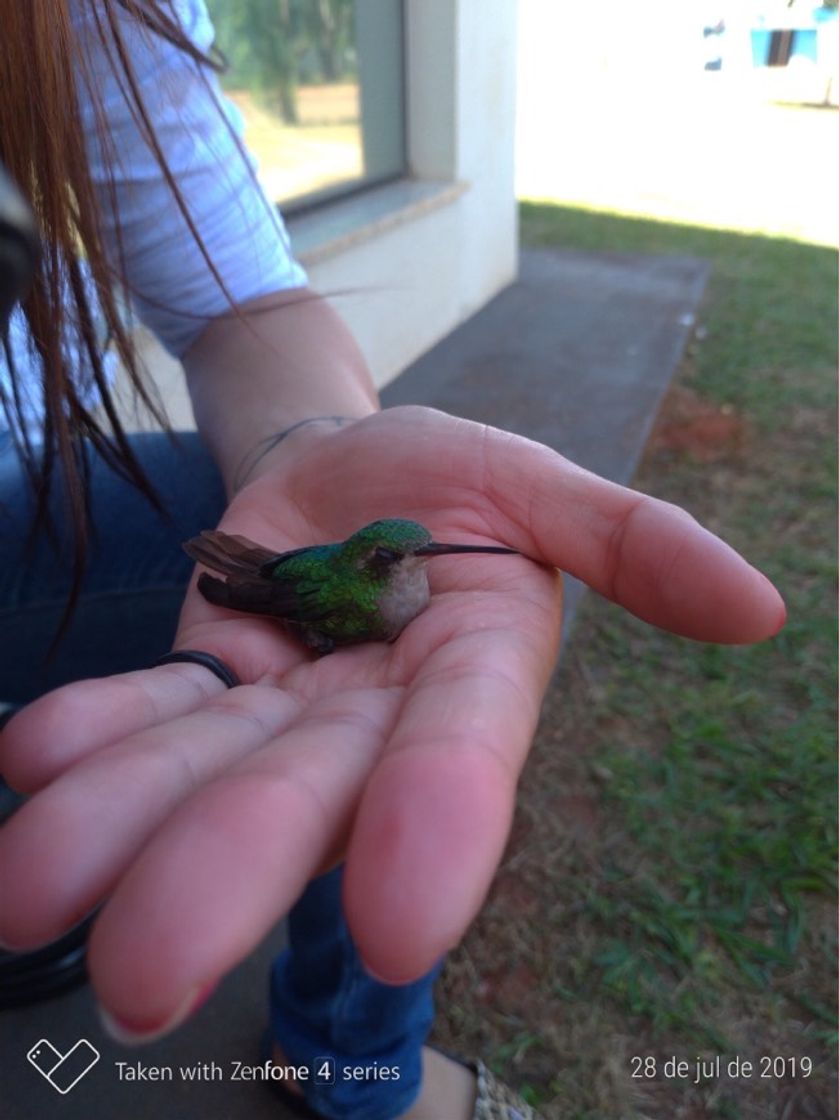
(228, 554)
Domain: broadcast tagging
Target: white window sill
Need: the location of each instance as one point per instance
(341, 225)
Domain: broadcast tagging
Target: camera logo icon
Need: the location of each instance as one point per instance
(63, 1071)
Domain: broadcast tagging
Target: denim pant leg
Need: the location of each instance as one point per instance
(136, 575)
(324, 1005)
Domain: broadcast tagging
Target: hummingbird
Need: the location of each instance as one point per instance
(364, 589)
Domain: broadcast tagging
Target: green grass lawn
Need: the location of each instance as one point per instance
(670, 887)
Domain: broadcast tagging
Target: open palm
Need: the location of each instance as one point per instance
(201, 813)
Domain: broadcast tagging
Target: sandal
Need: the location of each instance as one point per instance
(493, 1101)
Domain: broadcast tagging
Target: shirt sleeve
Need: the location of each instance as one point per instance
(199, 132)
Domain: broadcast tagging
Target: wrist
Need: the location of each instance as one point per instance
(265, 452)
(286, 358)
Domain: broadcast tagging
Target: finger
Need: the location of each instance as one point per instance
(66, 725)
(231, 861)
(647, 555)
(436, 812)
(64, 849)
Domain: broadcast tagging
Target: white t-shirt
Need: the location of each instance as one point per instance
(171, 286)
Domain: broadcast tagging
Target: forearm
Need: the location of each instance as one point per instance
(288, 359)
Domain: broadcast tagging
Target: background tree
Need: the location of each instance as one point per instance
(275, 45)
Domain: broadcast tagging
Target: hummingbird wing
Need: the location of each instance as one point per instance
(229, 554)
(252, 583)
(264, 596)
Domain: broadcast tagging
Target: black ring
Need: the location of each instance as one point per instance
(208, 660)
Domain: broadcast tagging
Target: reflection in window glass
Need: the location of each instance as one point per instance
(319, 84)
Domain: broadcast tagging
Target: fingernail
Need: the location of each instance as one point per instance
(10, 947)
(135, 1032)
(390, 982)
(782, 618)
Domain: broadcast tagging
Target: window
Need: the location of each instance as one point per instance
(320, 86)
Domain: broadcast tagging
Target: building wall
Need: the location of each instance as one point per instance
(439, 262)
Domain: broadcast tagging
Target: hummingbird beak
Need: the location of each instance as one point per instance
(439, 548)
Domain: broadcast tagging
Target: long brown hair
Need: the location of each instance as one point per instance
(42, 67)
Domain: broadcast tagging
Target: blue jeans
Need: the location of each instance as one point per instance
(136, 576)
(323, 1004)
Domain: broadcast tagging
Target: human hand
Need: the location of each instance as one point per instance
(201, 813)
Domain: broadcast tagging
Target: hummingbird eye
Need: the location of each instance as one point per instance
(386, 555)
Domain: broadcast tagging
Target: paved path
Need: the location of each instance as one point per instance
(577, 353)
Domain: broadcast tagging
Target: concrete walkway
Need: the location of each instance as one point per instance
(577, 353)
